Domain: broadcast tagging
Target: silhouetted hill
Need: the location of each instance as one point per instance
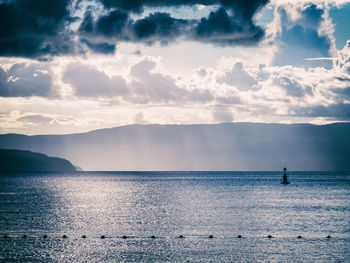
(230, 146)
(26, 161)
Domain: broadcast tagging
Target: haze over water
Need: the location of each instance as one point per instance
(169, 204)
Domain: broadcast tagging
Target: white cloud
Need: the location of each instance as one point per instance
(90, 82)
(324, 2)
(146, 85)
(302, 31)
(239, 77)
(25, 80)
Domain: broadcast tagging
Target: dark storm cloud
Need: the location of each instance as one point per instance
(159, 25)
(118, 26)
(100, 47)
(113, 23)
(87, 25)
(247, 8)
(224, 29)
(131, 5)
(41, 29)
(231, 24)
(24, 80)
(34, 28)
(138, 5)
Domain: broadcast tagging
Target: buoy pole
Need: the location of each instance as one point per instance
(285, 178)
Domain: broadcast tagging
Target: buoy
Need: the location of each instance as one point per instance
(102, 237)
(44, 236)
(285, 178)
(239, 236)
(300, 237)
(269, 236)
(181, 236)
(24, 236)
(153, 237)
(124, 237)
(328, 236)
(83, 236)
(211, 236)
(64, 236)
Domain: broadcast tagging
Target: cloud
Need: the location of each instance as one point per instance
(229, 99)
(202, 72)
(89, 82)
(288, 91)
(139, 118)
(231, 24)
(101, 47)
(118, 26)
(87, 25)
(25, 80)
(43, 119)
(132, 5)
(339, 111)
(34, 28)
(41, 29)
(342, 64)
(221, 114)
(249, 91)
(301, 34)
(159, 27)
(239, 77)
(112, 24)
(343, 92)
(35, 118)
(246, 8)
(152, 87)
(223, 29)
(291, 85)
(145, 85)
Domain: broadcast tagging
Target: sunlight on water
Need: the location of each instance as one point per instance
(141, 216)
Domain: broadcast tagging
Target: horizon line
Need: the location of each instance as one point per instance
(176, 124)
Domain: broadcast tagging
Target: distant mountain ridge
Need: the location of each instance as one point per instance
(27, 161)
(228, 146)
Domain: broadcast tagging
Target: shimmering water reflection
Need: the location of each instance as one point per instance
(169, 204)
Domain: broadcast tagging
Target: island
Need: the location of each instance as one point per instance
(12, 160)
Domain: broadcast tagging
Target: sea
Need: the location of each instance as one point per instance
(175, 217)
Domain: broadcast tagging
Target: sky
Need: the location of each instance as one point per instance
(74, 66)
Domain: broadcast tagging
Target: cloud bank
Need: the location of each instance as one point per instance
(35, 28)
(303, 32)
(91, 77)
(26, 80)
(42, 29)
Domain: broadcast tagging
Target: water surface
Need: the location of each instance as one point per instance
(165, 205)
